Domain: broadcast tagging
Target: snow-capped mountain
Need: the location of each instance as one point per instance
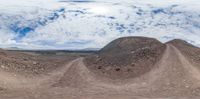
(79, 24)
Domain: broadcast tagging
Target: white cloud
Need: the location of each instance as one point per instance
(89, 25)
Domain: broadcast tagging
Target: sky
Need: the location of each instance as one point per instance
(81, 24)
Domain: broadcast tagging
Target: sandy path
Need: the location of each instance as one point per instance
(173, 77)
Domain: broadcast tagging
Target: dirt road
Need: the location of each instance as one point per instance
(173, 77)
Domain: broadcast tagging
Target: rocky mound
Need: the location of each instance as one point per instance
(126, 57)
(175, 74)
(191, 52)
(181, 43)
(26, 64)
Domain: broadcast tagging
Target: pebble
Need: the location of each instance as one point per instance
(2, 66)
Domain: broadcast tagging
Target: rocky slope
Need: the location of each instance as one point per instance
(191, 52)
(28, 64)
(127, 68)
(126, 57)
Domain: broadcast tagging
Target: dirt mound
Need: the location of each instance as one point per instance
(156, 70)
(126, 57)
(76, 75)
(179, 43)
(191, 52)
(26, 64)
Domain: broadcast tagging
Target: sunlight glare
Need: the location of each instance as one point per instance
(100, 10)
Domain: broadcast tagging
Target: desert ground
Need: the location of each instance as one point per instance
(126, 68)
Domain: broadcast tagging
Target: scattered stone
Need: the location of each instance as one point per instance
(117, 69)
(2, 66)
(35, 63)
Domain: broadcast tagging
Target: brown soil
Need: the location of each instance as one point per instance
(29, 65)
(191, 52)
(173, 75)
(126, 57)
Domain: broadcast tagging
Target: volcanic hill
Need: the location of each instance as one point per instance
(126, 68)
(126, 57)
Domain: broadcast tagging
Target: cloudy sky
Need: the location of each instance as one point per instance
(80, 24)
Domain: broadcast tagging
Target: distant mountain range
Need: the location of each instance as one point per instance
(12, 48)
